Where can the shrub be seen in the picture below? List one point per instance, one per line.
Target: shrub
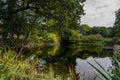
(71, 35)
(50, 37)
(92, 37)
(53, 37)
(75, 35)
(94, 40)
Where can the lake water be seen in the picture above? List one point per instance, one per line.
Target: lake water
(75, 58)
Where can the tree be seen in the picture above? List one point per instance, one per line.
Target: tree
(85, 28)
(93, 30)
(104, 31)
(20, 17)
(116, 27)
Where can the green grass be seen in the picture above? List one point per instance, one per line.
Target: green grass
(12, 68)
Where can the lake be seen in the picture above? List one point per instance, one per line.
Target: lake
(64, 58)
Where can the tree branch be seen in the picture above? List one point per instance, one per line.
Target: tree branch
(25, 8)
(19, 10)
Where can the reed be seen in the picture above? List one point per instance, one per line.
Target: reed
(105, 75)
(12, 68)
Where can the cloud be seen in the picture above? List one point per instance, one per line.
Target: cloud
(100, 12)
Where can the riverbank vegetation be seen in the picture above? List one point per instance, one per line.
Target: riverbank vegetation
(38, 22)
(93, 40)
(28, 25)
(31, 24)
(115, 71)
(13, 67)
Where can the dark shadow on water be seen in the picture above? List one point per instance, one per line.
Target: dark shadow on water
(73, 56)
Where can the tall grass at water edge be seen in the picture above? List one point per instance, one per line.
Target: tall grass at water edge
(12, 68)
(105, 75)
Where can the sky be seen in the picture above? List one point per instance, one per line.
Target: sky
(100, 12)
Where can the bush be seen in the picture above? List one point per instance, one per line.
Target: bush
(75, 36)
(53, 38)
(50, 37)
(71, 35)
(94, 40)
(91, 38)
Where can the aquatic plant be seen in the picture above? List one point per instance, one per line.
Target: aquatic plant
(105, 75)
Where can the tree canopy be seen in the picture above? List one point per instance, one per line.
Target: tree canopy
(116, 27)
(25, 17)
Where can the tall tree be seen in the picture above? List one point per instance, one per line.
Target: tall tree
(19, 17)
(116, 27)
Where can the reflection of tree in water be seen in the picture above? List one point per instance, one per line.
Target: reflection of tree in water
(92, 49)
(94, 52)
(64, 59)
(61, 57)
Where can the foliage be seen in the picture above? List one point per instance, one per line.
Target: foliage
(23, 17)
(12, 68)
(49, 37)
(104, 31)
(108, 39)
(104, 74)
(116, 27)
(53, 38)
(72, 35)
(115, 71)
(93, 40)
(85, 28)
(75, 36)
(116, 40)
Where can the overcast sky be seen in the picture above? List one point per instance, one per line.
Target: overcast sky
(100, 12)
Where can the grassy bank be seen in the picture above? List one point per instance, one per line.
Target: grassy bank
(12, 68)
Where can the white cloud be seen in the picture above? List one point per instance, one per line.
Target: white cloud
(100, 12)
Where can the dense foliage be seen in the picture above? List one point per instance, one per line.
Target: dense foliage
(13, 68)
(27, 19)
(85, 28)
(104, 31)
(93, 40)
(116, 27)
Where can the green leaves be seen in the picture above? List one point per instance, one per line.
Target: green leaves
(116, 27)
(24, 17)
(99, 71)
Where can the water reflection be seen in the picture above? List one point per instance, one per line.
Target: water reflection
(87, 72)
(76, 57)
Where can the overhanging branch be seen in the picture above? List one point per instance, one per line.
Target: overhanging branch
(19, 10)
